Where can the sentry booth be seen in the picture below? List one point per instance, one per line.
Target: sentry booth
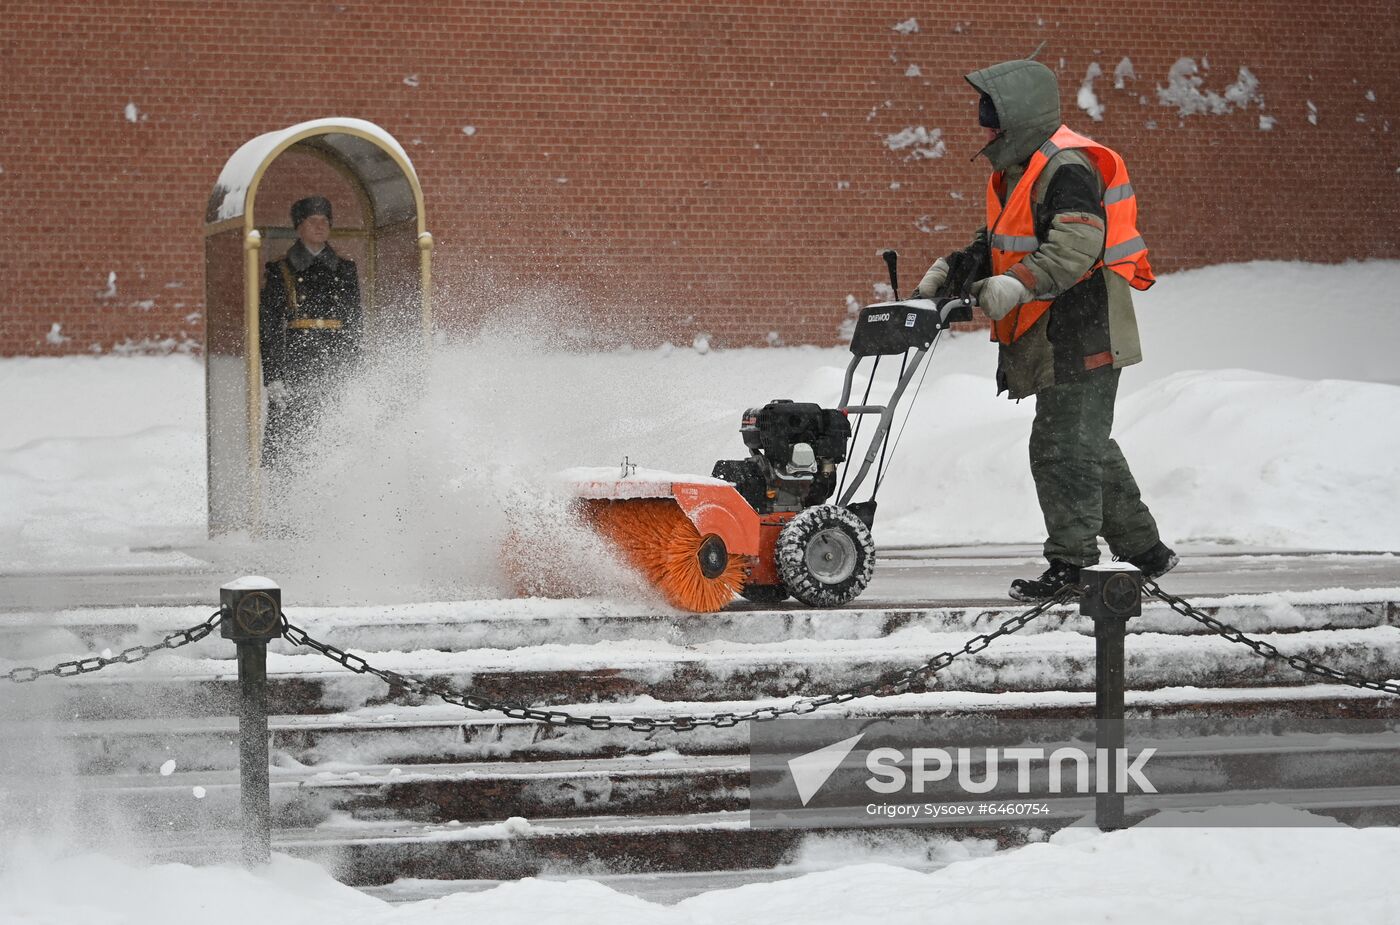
(379, 223)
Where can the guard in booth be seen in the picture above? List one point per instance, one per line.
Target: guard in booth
(310, 326)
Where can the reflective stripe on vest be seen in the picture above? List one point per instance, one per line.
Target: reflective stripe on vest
(1008, 242)
(1011, 227)
(1117, 194)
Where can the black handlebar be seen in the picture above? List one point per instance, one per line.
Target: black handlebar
(891, 261)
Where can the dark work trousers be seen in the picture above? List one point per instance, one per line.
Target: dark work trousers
(1081, 478)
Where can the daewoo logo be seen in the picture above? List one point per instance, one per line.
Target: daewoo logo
(883, 316)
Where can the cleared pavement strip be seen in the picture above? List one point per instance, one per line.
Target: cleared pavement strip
(511, 625)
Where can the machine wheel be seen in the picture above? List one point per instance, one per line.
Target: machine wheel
(826, 556)
(764, 594)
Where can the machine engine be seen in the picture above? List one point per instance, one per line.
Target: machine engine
(795, 449)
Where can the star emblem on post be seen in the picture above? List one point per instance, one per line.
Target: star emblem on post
(257, 614)
(1121, 593)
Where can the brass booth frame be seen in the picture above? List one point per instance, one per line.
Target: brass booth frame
(377, 169)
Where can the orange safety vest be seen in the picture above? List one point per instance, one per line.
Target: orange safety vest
(1011, 228)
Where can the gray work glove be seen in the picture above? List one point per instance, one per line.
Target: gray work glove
(277, 395)
(998, 295)
(933, 280)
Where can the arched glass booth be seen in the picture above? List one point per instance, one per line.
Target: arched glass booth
(379, 223)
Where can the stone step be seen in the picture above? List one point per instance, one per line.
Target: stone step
(668, 888)
(174, 685)
(443, 733)
(433, 793)
(381, 786)
(523, 624)
(667, 783)
(377, 853)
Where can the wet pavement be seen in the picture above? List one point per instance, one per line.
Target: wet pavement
(903, 576)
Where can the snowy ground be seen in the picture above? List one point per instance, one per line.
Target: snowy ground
(1264, 416)
(1317, 871)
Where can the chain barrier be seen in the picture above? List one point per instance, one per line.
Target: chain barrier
(126, 657)
(894, 682)
(1264, 649)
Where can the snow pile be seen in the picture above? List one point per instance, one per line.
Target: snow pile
(1305, 320)
(99, 455)
(921, 143)
(1279, 469)
(420, 475)
(1088, 100)
(1123, 73)
(1164, 871)
(1183, 90)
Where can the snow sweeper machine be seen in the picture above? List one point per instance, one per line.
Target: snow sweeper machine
(783, 521)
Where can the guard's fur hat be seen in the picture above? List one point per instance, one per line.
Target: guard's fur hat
(311, 205)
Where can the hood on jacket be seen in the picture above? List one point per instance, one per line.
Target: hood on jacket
(1027, 100)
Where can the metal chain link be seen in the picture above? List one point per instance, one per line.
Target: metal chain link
(126, 657)
(1264, 649)
(896, 682)
(890, 683)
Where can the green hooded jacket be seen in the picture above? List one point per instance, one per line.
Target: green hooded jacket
(1027, 99)
(1088, 316)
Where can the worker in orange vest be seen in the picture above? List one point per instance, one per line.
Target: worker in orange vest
(1054, 268)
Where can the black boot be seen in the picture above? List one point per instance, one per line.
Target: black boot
(1156, 561)
(1047, 585)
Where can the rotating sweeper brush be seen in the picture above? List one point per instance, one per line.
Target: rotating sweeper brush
(783, 521)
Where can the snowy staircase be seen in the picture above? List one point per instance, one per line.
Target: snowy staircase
(384, 786)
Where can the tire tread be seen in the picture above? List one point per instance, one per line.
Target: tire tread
(791, 549)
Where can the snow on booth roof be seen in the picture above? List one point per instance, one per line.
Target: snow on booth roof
(363, 146)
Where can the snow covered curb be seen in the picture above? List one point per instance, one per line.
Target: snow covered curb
(1305, 870)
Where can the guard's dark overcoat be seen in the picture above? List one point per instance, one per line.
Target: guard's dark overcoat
(310, 331)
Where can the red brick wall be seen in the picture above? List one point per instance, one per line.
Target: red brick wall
(702, 167)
